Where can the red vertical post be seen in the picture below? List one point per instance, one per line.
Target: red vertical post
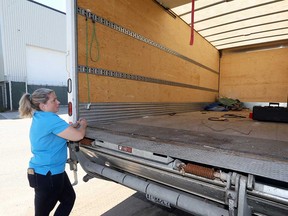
(192, 23)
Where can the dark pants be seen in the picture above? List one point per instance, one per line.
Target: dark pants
(49, 190)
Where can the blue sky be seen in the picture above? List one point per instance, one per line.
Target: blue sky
(57, 4)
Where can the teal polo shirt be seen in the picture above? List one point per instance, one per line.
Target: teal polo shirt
(49, 150)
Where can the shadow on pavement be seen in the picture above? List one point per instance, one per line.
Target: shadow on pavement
(140, 206)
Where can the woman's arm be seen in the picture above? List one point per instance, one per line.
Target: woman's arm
(75, 134)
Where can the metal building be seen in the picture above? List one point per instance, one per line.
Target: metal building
(32, 50)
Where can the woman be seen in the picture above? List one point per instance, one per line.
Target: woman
(48, 136)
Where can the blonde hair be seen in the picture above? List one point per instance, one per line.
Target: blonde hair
(30, 102)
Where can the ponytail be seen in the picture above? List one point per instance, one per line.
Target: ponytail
(25, 106)
(30, 102)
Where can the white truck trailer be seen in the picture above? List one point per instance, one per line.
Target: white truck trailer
(142, 89)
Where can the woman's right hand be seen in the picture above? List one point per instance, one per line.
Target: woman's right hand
(82, 122)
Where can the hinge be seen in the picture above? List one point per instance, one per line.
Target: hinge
(236, 194)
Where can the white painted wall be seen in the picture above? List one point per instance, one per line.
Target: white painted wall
(45, 66)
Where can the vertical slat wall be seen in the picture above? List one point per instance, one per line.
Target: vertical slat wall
(166, 70)
(258, 74)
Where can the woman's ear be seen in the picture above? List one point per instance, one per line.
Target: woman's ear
(42, 106)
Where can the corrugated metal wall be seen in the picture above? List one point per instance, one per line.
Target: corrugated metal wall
(25, 23)
(1, 49)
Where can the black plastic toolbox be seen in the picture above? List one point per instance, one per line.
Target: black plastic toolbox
(273, 113)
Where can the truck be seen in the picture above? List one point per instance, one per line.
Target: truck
(143, 88)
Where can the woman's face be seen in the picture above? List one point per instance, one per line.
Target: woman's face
(52, 105)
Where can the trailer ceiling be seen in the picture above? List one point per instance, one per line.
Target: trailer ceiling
(233, 23)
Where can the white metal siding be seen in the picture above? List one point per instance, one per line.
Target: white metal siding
(1, 49)
(1, 59)
(27, 23)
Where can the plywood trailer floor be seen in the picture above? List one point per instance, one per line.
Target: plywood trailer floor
(238, 143)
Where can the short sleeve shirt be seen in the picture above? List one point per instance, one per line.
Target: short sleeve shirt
(49, 150)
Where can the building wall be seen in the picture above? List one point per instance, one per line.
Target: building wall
(2, 84)
(1, 58)
(27, 24)
(51, 69)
